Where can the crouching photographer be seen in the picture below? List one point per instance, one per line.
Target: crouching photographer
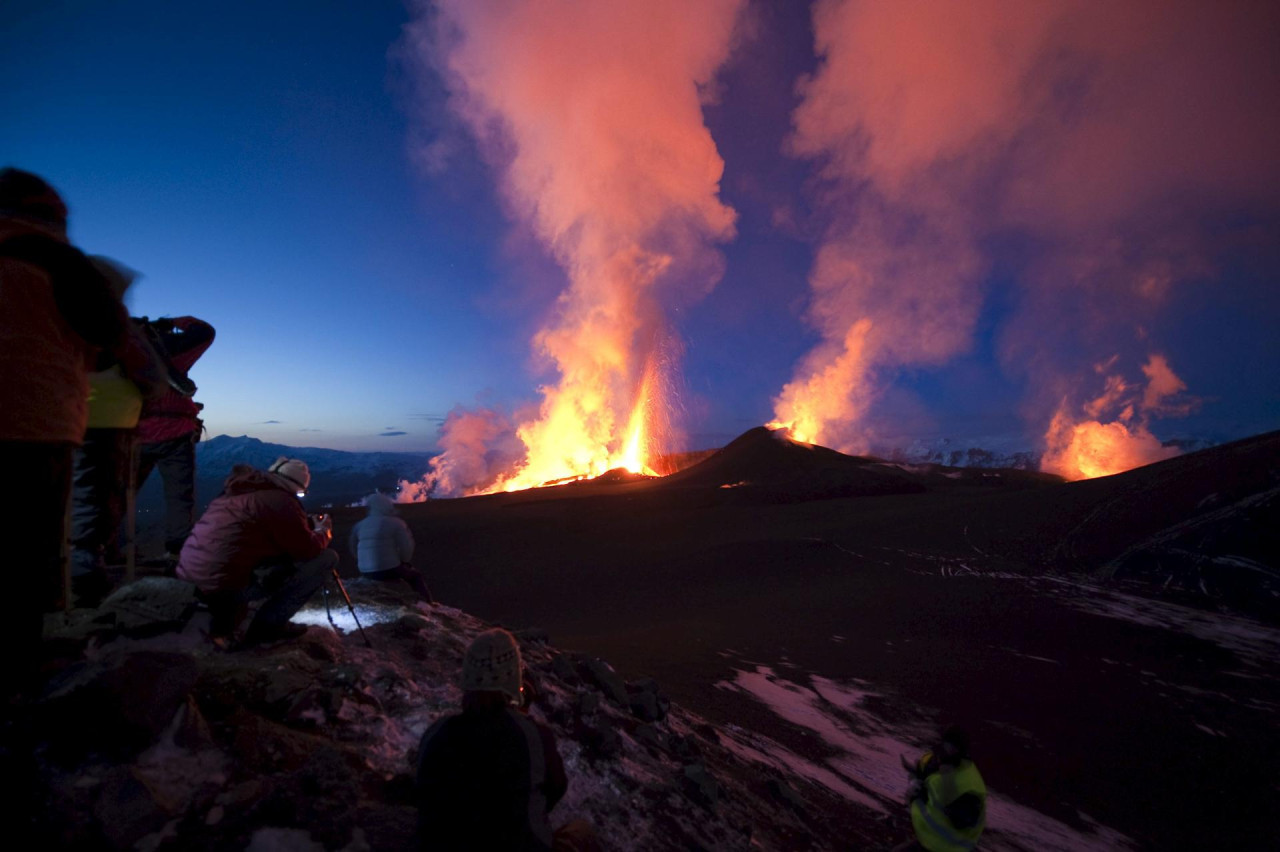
(255, 541)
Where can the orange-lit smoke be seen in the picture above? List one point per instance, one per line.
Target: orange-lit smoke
(1084, 447)
(592, 112)
(1101, 136)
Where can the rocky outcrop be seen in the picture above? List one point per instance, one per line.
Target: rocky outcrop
(154, 739)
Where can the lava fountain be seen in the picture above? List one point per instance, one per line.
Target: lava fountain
(591, 115)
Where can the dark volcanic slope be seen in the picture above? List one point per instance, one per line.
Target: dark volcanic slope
(949, 603)
(766, 463)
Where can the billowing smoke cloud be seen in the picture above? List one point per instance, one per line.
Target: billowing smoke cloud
(474, 444)
(592, 113)
(1099, 144)
(1086, 448)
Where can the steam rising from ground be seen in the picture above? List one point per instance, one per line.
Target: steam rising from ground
(1106, 139)
(1087, 448)
(592, 114)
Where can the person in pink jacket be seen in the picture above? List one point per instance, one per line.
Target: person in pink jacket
(256, 541)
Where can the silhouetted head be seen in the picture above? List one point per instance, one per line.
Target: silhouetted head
(118, 276)
(380, 504)
(954, 746)
(492, 665)
(26, 196)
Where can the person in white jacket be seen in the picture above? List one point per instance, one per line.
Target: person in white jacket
(383, 546)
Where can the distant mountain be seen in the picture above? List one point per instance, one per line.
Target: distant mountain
(337, 477)
(994, 453)
(952, 453)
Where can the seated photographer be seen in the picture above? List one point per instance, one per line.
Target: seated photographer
(255, 540)
(383, 546)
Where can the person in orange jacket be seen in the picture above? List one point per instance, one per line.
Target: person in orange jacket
(56, 311)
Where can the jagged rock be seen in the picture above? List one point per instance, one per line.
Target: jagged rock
(606, 680)
(387, 826)
(784, 792)
(124, 809)
(685, 749)
(75, 628)
(700, 784)
(282, 690)
(707, 732)
(533, 635)
(151, 605)
(563, 668)
(601, 739)
(646, 702)
(588, 703)
(264, 746)
(123, 701)
(650, 736)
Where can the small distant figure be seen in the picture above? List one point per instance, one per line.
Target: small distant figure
(256, 541)
(170, 426)
(489, 776)
(947, 797)
(383, 546)
(56, 310)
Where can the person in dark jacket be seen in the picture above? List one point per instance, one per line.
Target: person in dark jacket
(489, 776)
(255, 540)
(56, 311)
(170, 426)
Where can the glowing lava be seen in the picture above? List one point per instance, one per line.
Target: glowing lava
(1088, 448)
(562, 449)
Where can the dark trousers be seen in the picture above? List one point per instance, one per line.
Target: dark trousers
(403, 571)
(176, 461)
(99, 480)
(286, 587)
(33, 506)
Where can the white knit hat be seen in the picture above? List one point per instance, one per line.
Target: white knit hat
(492, 664)
(293, 470)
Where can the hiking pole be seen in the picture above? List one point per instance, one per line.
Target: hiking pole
(337, 579)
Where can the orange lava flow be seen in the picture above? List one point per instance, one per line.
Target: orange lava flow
(578, 438)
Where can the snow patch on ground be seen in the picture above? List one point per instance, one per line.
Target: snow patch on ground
(865, 764)
(1257, 644)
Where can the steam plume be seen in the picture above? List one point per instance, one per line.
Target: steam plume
(592, 114)
(1104, 139)
(1083, 449)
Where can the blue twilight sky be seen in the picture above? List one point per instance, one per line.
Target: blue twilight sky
(256, 162)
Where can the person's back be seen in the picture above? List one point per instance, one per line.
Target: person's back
(483, 782)
(948, 803)
(381, 541)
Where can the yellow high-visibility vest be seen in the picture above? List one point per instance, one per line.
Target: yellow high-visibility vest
(114, 401)
(933, 829)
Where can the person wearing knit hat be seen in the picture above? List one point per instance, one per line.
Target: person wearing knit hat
(489, 776)
(256, 540)
(56, 310)
(293, 471)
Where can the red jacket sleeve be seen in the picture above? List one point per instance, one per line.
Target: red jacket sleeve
(186, 348)
(291, 529)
